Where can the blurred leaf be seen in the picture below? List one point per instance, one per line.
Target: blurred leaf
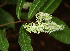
(50, 6)
(62, 35)
(26, 5)
(24, 40)
(3, 41)
(19, 8)
(35, 7)
(24, 15)
(5, 17)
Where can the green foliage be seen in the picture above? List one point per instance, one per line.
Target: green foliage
(19, 8)
(63, 35)
(24, 40)
(50, 6)
(3, 41)
(47, 6)
(24, 15)
(35, 7)
(5, 17)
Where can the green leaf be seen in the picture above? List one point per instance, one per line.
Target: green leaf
(50, 5)
(35, 7)
(24, 40)
(46, 5)
(19, 8)
(62, 35)
(24, 15)
(3, 41)
(5, 17)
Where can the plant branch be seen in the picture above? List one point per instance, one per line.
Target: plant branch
(11, 23)
(4, 3)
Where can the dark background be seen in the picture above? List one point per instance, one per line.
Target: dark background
(42, 41)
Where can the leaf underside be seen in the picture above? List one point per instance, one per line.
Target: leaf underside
(62, 35)
(35, 7)
(24, 40)
(3, 41)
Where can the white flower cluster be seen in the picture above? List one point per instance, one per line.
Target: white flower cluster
(43, 24)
